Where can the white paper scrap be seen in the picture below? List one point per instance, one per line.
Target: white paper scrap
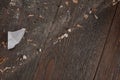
(14, 37)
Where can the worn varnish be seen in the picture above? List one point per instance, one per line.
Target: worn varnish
(65, 40)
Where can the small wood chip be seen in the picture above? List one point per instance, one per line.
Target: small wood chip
(69, 30)
(24, 57)
(3, 70)
(75, 1)
(40, 50)
(86, 16)
(30, 15)
(63, 36)
(96, 17)
(61, 6)
(67, 3)
(29, 40)
(4, 44)
(90, 12)
(114, 2)
(79, 26)
(2, 60)
(12, 3)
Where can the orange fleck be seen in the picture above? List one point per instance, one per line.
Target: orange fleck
(2, 60)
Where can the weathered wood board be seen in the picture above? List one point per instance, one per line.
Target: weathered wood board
(65, 40)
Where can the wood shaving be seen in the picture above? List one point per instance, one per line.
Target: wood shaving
(40, 50)
(61, 6)
(24, 57)
(96, 17)
(2, 60)
(93, 10)
(12, 3)
(30, 15)
(75, 1)
(3, 70)
(114, 2)
(63, 36)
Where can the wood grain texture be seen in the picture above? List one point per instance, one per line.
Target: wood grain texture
(75, 57)
(109, 68)
(44, 12)
(51, 54)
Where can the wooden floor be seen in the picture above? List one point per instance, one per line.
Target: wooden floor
(64, 40)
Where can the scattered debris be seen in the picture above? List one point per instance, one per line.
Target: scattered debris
(15, 37)
(86, 16)
(75, 1)
(40, 16)
(69, 30)
(4, 44)
(114, 2)
(17, 14)
(63, 36)
(30, 15)
(93, 10)
(96, 17)
(40, 50)
(24, 57)
(2, 60)
(90, 12)
(3, 70)
(12, 3)
(79, 26)
(61, 6)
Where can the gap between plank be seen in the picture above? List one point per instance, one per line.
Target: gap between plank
(105, 42)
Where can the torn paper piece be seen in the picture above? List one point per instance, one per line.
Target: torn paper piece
(15, 37)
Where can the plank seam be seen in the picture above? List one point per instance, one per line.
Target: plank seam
(105, 42)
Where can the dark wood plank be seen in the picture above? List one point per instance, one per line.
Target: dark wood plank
(75, 57)
(43, 12)
(72, 58)
(109, 68)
